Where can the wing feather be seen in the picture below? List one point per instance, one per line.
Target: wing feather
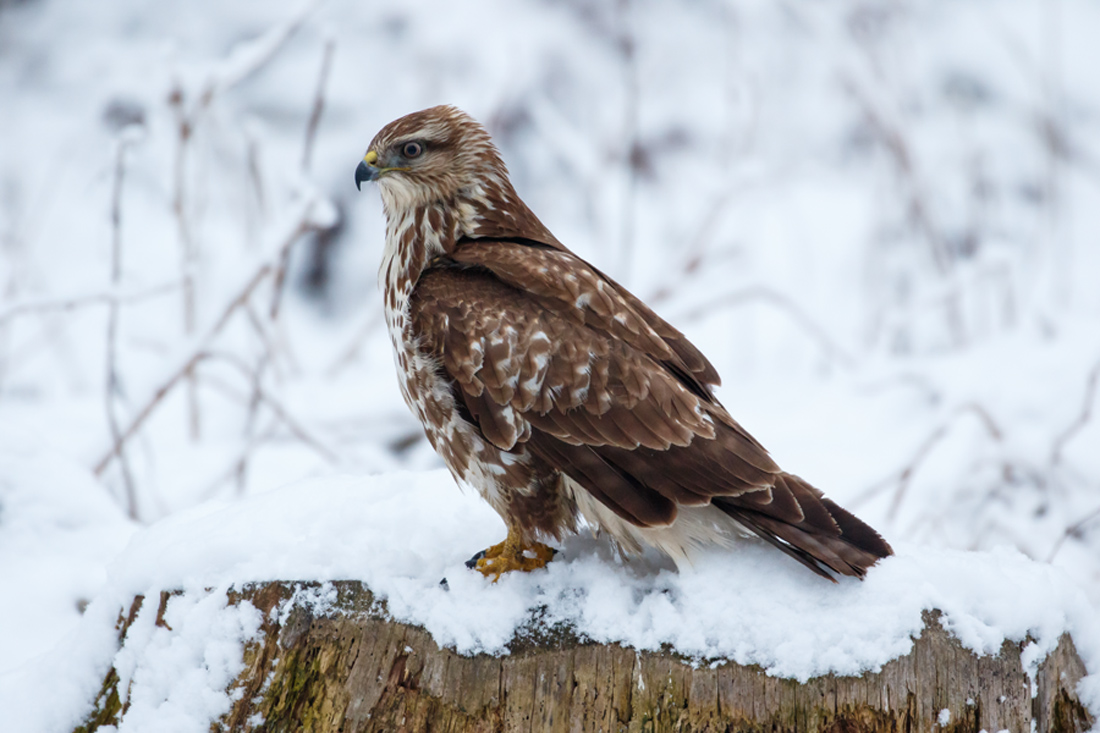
(581, 292)
(549, 356)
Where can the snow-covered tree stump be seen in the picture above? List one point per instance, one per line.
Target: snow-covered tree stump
(348, 667)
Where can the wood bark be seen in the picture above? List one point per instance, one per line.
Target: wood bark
(353, 669)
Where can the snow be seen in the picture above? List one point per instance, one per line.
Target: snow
(879, 221)
(402, 533)
(177, 674)
(58, 530)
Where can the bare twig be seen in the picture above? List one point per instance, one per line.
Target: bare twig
(307, 156)
(258, 392)
(277, 288)
(254, 213)
(259, 327)
(919, 382)
(784, 304)
(318, 105)
(143, 414)
(355, 344)
(256, 377)
(1082, 419)
(628, 51)
(243, 61)
(251, 56)
(906, 474)
(902, 478)
(115, 296)
(238, 468)
(185, 128)
(112, 327)
(919, 212)
(186, 369)
(1073, 530)
(696, 251)
(895, 143)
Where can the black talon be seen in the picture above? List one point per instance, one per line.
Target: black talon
(472, 562)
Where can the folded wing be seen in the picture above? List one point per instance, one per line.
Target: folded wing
(547, 355)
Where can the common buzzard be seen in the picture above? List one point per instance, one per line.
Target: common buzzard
(556, 393)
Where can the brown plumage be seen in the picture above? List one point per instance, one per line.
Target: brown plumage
(562, 398)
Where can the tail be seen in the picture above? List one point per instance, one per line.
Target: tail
(798, 519)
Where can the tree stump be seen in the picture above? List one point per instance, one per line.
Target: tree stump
(351, 668)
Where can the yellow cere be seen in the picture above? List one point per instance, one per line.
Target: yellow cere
(370, 158)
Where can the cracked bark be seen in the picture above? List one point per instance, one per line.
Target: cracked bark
(352, 669)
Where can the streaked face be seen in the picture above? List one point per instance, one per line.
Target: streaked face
(428, 156)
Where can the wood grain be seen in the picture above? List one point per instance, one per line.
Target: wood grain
(354, 670)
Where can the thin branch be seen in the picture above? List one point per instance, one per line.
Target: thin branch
(932, 394)
(143, 414)
(628, 52)
(249, 57)
(238, 468)
(1073, 530)
(696, 251)
(307, 156)
(185, 128)
(189, 256)
(242, 62)
(906, 474)
(113, 296)
(895, 143)
(1081, 420)
(296, 428)
(113, 388)
(277, 289)
(785, 305)
(270, 351)
(355, 344)
(318, 105)
(902, 478)
(200, 352)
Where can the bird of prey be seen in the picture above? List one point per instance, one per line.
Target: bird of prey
(553, 391)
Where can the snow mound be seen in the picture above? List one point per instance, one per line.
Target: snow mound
(402, 533)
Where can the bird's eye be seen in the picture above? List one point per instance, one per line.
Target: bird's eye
(412, 150)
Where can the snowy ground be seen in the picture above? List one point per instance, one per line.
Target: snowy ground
(881, 220)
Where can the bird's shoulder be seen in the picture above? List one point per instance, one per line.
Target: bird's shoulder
(549, 276)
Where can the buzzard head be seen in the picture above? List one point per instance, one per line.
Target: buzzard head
(436, 155)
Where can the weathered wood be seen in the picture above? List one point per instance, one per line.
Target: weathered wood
(353, 669)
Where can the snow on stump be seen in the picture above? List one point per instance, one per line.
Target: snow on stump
(345, 665)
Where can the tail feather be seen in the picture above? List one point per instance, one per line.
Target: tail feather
(823, 536)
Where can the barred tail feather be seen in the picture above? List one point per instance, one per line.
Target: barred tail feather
(821, 535)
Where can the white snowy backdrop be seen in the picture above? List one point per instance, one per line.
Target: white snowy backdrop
(880, 219)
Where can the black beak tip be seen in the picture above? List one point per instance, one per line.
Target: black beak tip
(362, 173)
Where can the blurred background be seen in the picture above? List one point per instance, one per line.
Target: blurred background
(879, 218)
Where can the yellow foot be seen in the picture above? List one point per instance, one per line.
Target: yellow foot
(508, 556)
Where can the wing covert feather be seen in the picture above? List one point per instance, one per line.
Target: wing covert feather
(614, 413)
(526, 370)
(534, 364)
(579, 291)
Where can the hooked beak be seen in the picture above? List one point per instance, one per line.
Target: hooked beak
(367, 170)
